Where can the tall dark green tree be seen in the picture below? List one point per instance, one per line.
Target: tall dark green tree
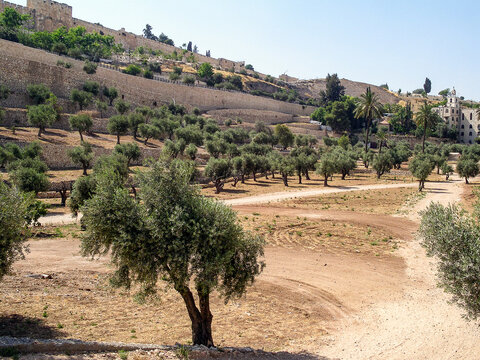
(334, 90)
(427, 86)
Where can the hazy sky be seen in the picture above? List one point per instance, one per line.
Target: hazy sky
(375, 41)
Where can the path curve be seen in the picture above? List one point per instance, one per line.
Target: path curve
(62, 219)
(419, 324)
(286, 195)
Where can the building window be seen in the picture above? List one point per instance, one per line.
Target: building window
(463, 126)
(478, 127)
(446, 110)
(450, 99)
(463, 116)
(471, 114)
(462, 133)
(470, 127)
(470, 133)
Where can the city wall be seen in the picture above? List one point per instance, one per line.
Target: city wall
(47, 15)
(21, 66)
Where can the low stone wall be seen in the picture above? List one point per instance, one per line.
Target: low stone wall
(18, 118)
(249, 115)
(56, 156)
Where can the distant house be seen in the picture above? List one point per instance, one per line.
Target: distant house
(464, 120)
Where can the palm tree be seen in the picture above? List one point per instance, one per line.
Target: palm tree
(426, 118)
(369, 108)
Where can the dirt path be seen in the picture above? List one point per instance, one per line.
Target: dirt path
(61, 219)
(285, 195)
(418, 324)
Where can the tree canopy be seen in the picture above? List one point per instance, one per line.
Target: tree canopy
(175, 235)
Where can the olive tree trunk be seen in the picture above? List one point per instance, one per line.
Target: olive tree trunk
(201, 319)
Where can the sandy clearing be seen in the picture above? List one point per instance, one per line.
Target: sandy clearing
(418, 324)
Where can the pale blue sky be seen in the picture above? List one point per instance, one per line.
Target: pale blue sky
(375, 41)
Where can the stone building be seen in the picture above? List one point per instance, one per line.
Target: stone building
(464, 120)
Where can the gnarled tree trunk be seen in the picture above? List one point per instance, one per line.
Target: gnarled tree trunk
(201, 319)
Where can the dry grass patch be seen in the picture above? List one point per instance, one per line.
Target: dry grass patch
(320, 234)
(383, 201)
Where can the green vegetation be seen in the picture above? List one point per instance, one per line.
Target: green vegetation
(167, 199)
(14, 227)
(81, 123)
(82, 155)
(451, 235)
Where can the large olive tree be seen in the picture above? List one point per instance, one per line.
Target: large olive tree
(452, 236)
(13, 225)
(172, 233)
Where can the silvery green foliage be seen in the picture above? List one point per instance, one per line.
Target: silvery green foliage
(453, 237)
(172, 233)
(13, 227)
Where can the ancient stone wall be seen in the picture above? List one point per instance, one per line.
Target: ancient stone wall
(48, 15)
(20, 66)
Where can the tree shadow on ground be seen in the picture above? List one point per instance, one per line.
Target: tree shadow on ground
(260, 354)
(16, 325)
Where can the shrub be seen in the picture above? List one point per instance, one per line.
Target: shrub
(189, 80)
(173, 76)
(92, 87)
(205, 71)
(90, 67)
(148, 74)
(132, 69)
(38, 93)
(155, 67)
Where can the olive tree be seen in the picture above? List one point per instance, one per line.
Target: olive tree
(284, 135)
(452, 236)
(14, 227)
(327, 167)
(148, 131)
(218, 171)
(467, 167)
(82, 155)
(118, 125)
(41, 116)
(421, 167)
(447, 170)
(174, 235)
(382, 163)
(82, 98)
(131, 151)
(81, 123)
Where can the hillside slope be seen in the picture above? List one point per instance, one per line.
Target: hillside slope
(353, 88)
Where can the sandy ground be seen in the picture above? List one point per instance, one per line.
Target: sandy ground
(418, 324)
(338, 305)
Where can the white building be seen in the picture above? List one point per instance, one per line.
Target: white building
(464, 120)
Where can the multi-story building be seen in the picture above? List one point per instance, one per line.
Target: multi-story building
(466, 121)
